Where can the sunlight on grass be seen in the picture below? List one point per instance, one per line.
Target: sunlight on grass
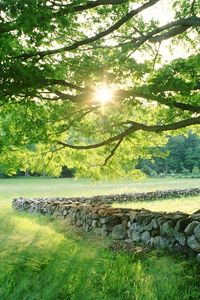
(188, 205)
(49, 187)
(46, 259)
(35, 249)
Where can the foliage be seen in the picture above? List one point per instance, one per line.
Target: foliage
(195, 171)
(181, 154)
(54, 54)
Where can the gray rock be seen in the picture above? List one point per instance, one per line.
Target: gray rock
(132, 216)
(94, 223)
(149, 226)
(147, 221)
(161, 220)
(167, 228)
(154, 224)
(64, 212)
(98, 224)
(103, 220)
(57, 214)
(145, 237)
(112, 220)
(180, 237)
(139, 228)
(98, 231)
(161, 242)
(119, 232)
(129, 224)
(143, 218)
(155, 232)
(151, 241)
(129, 232)
(94, 216)
(135, 236)
(190, 228)
(177, 247)
(198, 257)
(124, 223)
(197, 232)
(133, 225)
(79, 223)
(107, 227)
(195, 216)
(193, 243)
(178, 215)
(89, 221)
(182, 224)
(86, 227)
(104, 233)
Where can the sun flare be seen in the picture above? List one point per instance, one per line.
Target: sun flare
(103, 94)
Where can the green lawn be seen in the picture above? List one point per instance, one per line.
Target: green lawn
(188, 205)
(42, 259)
(34, 186)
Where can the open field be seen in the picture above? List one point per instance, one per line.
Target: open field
(34, 186)
(48, 260)
(37, 187)
(188, 205)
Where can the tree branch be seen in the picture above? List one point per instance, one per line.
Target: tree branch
(70, 8)
(113, 151)
(96, 37)
(133, 128)
(62, 83)
(153, 36)
(64, 10)
(168, 101)
(193, 7)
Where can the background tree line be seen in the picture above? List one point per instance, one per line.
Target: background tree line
(181, 154)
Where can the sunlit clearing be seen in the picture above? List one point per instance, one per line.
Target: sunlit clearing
(103, 94)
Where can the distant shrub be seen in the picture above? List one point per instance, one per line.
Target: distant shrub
(195, 172)
(185, 171)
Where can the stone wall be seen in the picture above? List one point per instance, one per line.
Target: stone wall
(173, 231)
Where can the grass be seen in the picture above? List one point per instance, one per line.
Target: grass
(45, 259)
(188, 205)
(34, 186)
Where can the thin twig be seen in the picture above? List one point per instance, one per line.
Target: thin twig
(113, 151)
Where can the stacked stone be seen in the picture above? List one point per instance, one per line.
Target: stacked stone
(173, 231)
(176, 231)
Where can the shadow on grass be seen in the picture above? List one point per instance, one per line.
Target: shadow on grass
(45, 259)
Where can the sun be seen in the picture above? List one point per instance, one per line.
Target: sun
(103, 94)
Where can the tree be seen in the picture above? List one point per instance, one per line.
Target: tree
(179, 155)
(54, 55)
(195, 171)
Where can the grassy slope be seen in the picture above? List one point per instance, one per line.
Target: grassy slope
(46, 260)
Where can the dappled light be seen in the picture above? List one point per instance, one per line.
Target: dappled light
(73, 266)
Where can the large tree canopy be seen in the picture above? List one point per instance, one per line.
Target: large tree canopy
(56, 54)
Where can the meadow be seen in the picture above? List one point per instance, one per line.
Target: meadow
(46, 259)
